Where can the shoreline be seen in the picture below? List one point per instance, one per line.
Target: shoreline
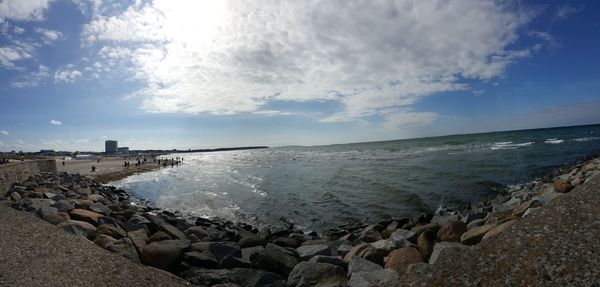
(212, 251)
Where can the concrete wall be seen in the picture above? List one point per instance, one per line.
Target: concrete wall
(20, 171)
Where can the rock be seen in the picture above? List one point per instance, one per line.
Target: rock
(207, 277)
(498, 229)
(370, 234)
(82, 203)
(159, 236)
(286, 242)
(335, 260)
(231, 261)
(418, 268)
(203, 259)
(422, 228)
(172, 231)
(111, 230)
(38, 203)
(399, 259)
(562, 186)
(256, 278)
(529, 211)
(85, 215)
(343, 249)
(359, 264)
(56, 218)
(251, 241)
(475, 223)
(139, 238)
(276, 259)
(452, 231)
(384, 246)
(425, 243)
(63, 206)
(46, 211)
(308, 251)
(100, 208)
(365, 250)
(403, 237)
(473, 216)
(95, 197)
(444, 249)
(123, 247)
(248, 253)
(138, 219)
(473, 236)
(442, 220)
(373, 279)
(520, 210)
(165, 255)
(79, 228)
(499, 217)
(222, 249)
(198, 231)
(102, 240)
(308, 274)
(15, 196)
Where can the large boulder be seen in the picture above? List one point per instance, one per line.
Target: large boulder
(123, 247)
(256, 278)
(166, 254)
(251, 241)
(374, 278)
(139, 238)
(85, 215)
(224, 249)
(198, 231)
(425, 243)
(276, 259)
(520, 210)
(203, 259)
(498, 229)
(444, 249)
(79, 228)
(434, 227)
(474, 235)
(399, 259)
(452, 231)
(562, 186)
(56, 218)
(367, 251)
(111, 230)
(308, 251)
(359, 264)
(403, 237)
(308, 274)
(335, 260)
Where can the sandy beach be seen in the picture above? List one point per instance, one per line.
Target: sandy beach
(107, 169)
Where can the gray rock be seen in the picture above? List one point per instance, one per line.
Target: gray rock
(79, 228)
(111, 230)
(308, 274)
(276, 259)
(231, 261)
(308, 251)
(373, 279)
(203, 259)
(63, 205)
(139, 238)
(343, 249)
(443, 249)
(251, 241)
(37, 203)
(197, 231)
(47, 211)
(256, 278)
(473, 216)
(15, 196)
(123, 247)
(359, 264)
(418, 268)
(402, 237)
(247, 253)
(166, 254)
(100, 208)
(443, 219)
(335, 260)
(529, 211)
(475, 223)
(384, 246)
(222, 249)
(206, 277)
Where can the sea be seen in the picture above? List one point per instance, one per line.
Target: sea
(318, 187)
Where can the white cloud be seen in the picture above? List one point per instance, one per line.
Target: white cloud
(226, 57)
(4, 133)
(66, 75)
(18, 30)
(55, 122)
(11, 54)
(23, 10)
(403, 118)
(566, 11)
(32, 79)
(49, 36)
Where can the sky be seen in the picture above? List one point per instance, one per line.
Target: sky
(180, 74)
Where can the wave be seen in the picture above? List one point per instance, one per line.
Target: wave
(554, 141)
(585, 139)
(509, 145)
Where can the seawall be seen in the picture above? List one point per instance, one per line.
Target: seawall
(20, 171)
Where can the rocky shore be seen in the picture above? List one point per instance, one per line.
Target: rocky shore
(213, 252)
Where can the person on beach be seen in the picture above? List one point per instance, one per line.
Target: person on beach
(63, 163)
(93, 168)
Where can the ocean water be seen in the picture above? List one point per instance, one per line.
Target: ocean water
(321, 186)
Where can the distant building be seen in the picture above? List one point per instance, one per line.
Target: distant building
(110, 147)
(47, 152)
(123, 150)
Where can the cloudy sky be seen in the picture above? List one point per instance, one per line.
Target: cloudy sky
(201, 74)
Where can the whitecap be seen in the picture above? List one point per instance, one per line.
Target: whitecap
(554, 141)
(585, 139)
(509, 145)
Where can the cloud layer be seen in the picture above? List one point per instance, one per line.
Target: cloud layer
(372, 57)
